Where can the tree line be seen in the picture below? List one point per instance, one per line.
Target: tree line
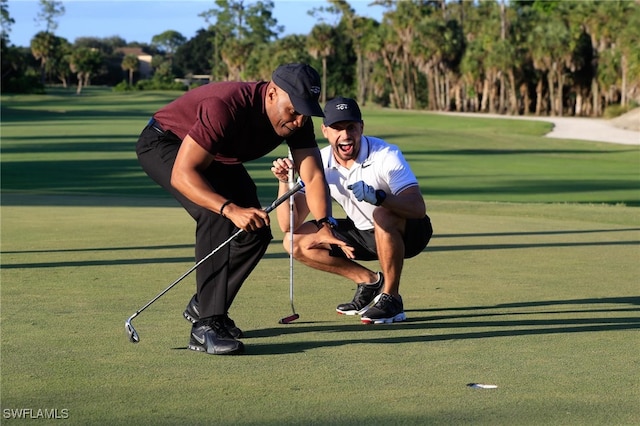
(542, 57)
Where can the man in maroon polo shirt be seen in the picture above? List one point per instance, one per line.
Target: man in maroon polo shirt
(194, 147)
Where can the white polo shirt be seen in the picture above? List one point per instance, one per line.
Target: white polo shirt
(379, 164)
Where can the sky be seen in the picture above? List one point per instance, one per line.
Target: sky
(140, 20)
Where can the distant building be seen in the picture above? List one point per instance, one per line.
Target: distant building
(145, 69)
(194, 79)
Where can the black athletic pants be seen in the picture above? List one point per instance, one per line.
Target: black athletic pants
(218, 279)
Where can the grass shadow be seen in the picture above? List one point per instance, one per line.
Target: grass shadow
(484, 329)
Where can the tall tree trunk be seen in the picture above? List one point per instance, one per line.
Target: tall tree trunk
(526, 101)
(324, 79)
(502, 94)
(447, 97)
(80, 81)
(395, 96)
(623, 86)
(484, 102)
(551, 88)
(457, 93)
(431, 87)
(438, 87)
(409, 101)
(361, 78)
(595, 102)
(492, 92)
(513, 94)
(43, 70)
(539, 96)
(577, 111)
(560, 97)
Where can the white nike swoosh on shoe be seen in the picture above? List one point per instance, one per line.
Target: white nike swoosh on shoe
(201, 341)
(364, 310)
(373, 302)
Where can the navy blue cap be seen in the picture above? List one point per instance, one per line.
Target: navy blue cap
(341, 109)
(302, 84)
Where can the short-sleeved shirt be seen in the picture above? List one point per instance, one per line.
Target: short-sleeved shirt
(229, 120)
(379, 164)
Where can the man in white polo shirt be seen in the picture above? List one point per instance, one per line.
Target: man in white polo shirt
(386, 215)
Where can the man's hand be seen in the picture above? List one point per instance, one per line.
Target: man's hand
(365, 192)
(281, 167)
(324, 238)
(247, 219)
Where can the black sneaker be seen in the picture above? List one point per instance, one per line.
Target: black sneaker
(192, 311)
(212, 337)
(192, 314)
(365, 295)
(386, 310)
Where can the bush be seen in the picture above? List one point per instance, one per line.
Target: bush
(27, 84)
(157, 84)
(123, 86)
(613, 111)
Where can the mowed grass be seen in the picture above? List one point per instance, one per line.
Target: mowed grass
(534, 290)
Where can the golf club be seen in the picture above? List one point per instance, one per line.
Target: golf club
(134, 337)
(294, 316)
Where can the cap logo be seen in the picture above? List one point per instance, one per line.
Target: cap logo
(315, 90)
(342, 107)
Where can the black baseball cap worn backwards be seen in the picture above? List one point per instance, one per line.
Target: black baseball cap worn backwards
(341, 109)
(302, 84)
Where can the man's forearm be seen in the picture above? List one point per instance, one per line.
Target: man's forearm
(317, 190)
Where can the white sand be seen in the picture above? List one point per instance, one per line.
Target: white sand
(622, 130)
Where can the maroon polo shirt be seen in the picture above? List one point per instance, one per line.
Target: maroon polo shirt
(230, 121)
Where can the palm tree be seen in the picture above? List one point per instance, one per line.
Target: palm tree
(130, 63)
(42, 49)
(85, 62)
(404, 22)
(235, 53)
(319, 45)
(627, 42)
(551, 52)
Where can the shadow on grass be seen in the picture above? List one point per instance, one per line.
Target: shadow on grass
(101, 182)
(281, 255)
(555, 232)
(470, 329)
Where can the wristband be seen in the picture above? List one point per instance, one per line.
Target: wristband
(380, 197)
(225, 204)
(328, 220)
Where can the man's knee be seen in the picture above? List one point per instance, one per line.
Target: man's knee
(387, 220)
(286, 242)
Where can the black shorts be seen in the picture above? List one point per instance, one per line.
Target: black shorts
(417, 234)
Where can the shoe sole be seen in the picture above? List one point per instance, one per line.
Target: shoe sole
(189, 317)
(202, 349)
(361, 311)
(397, 318)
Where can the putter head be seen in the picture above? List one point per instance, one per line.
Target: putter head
(133, 334)
(289, 319)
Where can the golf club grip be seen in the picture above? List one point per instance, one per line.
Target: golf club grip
(298, 186)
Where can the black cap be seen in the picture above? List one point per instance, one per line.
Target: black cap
(341, 109)
(302, 84)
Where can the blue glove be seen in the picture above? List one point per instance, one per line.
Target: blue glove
(365, 192)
